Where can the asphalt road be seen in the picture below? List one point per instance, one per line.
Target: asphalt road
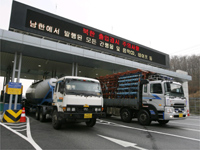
(108, 133)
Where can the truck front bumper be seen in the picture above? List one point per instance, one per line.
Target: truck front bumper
(174, 116)
(172, 113)
(68, 116)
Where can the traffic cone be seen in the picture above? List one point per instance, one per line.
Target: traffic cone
(23, 116)
(188, 113)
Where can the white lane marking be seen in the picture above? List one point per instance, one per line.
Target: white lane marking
(184, 123)
(14, 127)
(15, 124)
(28, 132)
(152, 131)
(191, 129)
(122, 143)
(21, 130)
(28, 138)
(193, 117)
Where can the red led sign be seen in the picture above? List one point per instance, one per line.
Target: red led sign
(112, 42)
(26, 18)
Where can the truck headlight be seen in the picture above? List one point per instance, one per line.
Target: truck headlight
(73, 109)
(68, 109)
(97, 109)
(169, 110)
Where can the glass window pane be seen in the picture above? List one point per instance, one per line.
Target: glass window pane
(156, 88)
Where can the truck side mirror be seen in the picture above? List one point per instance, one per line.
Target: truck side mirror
(144, 82)
(62, 87)
(106, 87)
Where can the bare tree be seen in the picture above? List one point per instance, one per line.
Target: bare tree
(190, 64)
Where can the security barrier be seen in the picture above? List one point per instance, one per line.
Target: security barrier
(12, 116)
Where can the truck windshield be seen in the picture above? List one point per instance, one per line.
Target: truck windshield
(82, 87)
(173, 89)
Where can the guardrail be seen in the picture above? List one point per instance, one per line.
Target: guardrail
(194, 105)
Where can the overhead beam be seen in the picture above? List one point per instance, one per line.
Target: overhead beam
(66, 53)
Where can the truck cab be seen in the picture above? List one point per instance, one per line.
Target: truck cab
(165, 100)
(77, 99)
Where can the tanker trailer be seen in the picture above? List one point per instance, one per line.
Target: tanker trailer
(39, 93)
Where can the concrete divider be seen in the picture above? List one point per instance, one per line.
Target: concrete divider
(1, 110)
(12, 116)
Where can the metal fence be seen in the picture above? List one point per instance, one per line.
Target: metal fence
(195, 106)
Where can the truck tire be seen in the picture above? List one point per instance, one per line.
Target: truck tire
(37, 113)
(126, 115)
(144, 118)
(91, 122)
(42, 115)
(163, 122)
(55, 122)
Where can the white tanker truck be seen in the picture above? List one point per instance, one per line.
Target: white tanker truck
(68, 99)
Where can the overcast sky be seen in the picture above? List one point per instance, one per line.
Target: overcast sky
(169, 26)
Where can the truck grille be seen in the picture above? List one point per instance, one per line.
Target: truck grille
(82, 109)
(179, 105)
(179, 108)
(85, 109)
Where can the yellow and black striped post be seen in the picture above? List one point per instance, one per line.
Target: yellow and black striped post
(12, 116)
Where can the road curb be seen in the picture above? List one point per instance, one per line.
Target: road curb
(1, 116)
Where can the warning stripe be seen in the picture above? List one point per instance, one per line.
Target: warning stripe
(15, 113)
(7, 119)
(12, 116)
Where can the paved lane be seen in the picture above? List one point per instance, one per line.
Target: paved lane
(162, 137)
(111, 133)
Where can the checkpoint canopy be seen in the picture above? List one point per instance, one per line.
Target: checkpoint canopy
(58, 42)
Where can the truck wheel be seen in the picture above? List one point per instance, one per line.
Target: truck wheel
(55, 122)
(37, 113)
(163, 122)
(126, 115)
(91, 122)
(144, 118)
(42, 115)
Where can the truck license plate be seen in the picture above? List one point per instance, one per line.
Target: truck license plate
(180, 115)
(87, 115)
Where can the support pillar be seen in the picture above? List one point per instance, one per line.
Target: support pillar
(18, 78)
(13, 78)
(76, 73)
(8, 75)
(74, 69)
(185, 88)
(53, 74)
